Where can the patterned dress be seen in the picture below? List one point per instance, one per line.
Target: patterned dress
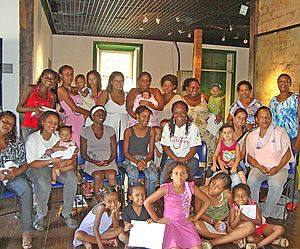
(179, 233)
(285, 115)
(200, 114)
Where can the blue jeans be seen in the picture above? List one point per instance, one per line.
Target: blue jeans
(150, 174)
(20, 186)
(193, 165)
(275, 182)
(41, 179)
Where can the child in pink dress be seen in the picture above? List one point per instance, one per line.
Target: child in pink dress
(180, 231)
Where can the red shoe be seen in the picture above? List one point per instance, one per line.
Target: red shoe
(291, 206)
(87, 190)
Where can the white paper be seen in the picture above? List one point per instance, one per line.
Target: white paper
(211, 228)
(249, 211)
(64, 154)
(146, 235)
(212, 127)
(80, 202)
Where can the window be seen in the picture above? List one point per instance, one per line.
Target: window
(126, 58)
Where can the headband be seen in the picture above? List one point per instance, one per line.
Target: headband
(99, 107)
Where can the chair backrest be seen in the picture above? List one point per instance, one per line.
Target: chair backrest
(80, 159)
(202, 152)
(293, 165)
(120, 154)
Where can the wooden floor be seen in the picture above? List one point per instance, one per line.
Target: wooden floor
(58, 236)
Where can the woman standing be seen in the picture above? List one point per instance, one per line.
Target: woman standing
(69, 100)
(144, 82)
(285, 110)
(98, 146)
(12, 150)
(199, 112)
(169, 84)
(246, 102)
(113, 98)
(94, 84)
(40, 171)
(34, 97)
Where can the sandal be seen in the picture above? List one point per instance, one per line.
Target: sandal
(206, 244)
(241, 243)
(113, 242)
(87, 189)
(251, 246)
(283, 242)
(26, 244)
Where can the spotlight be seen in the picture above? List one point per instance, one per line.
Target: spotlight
(141, 28)
(157, 20)
(181, 31)
(145, 19)
(237, 36)
(170, 33)
(230, 27)
(245, 41)
(223, 38)
(189, 35)
(243, 10)
(177, 19)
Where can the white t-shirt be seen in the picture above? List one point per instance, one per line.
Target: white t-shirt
(36, 146)
(181, 143)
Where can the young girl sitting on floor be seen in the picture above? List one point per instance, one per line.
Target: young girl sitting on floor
(101, 225)
(135, 209)
(180, 231)
(265, 233)
(227, 155)
(138, 149)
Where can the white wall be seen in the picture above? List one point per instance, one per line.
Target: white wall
(42, 51)
(159, 57)
(9, 31)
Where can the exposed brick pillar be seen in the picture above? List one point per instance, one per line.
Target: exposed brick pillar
(197, 59)
(26, 42)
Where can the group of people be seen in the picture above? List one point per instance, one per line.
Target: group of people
(160, 133)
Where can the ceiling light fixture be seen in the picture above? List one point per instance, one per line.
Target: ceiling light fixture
(245, 41)
(230, 27)
(170, 33)
(237, 36)
(177, 19)
(189, 35)
(145, 19)
(157, 20)
(141, 28)
(223, 38)
(243, 10)
(181, 31)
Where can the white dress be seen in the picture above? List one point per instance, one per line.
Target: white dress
(87, 224)
(117, 117)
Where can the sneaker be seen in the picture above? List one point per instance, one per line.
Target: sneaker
(291, 206)
(70, 222)
(39, 224)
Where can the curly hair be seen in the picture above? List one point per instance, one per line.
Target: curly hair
(12, 135)
(168, 170)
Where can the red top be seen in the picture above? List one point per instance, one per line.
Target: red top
(34, 101)
(227, 153)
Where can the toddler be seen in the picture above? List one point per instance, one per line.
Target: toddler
(227, 155)
(265, 233)
(86, 101)
(65, 134)
(135, 209)
(215, 101)
(101, 225)
(158, 150)
(180, 231)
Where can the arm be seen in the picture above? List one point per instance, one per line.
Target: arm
(237, 159)
(284, 160)
(63, 95)
(215, 158)
(258, 218)
(297, 143)
(21, 108)
(113, 148)
(205, 203)
(140, 164)
(115, 215)
(159, 98)
(170, 153)
(229, 118)
(152, 199)
(83, 151)
(53, 100)
(129, 102)
(103, 98)
(99, 212)
(234, 217)
(151, 146)
(205, 217)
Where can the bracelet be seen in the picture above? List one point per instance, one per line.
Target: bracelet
(212, 220)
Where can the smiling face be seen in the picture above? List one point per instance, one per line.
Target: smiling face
(215, 91)
(117, 82)
(7, 123)
(138, 195)
(111, 200)
(180, 114)
(264, 119)
(67, 76)
(227, 133)
(240, 197)
(284, 83)
(239, 120)
(49, 80)
(167, 87)
(50, 124)
(179, 174)
(216, 187)
(92, 80)
(193, 89)
(244, 91)
(144, 82)
(144, 117)
(99, 117)
(80, 82)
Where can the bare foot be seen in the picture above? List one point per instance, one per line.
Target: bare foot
(87, 245)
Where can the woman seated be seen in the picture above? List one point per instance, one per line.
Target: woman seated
(12, 168)
(40, 171)
(98, 146)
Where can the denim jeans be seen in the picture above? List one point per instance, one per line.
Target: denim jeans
(26, 131)
(150, 174)
(193, 165)
(41, 179)
(275, 182)
(20, 186)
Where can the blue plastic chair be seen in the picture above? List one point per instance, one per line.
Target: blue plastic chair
(202, 154)
(9, 194)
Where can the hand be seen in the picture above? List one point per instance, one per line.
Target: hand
(127, 227)
(231, 163)
(102, 163)
(191, 219)
(3, 175)
(220, 225)
(233, 170)
(237, 213)
(218, 118)
(57, 161)
(163, 220)
(223, 166)
(118, 205)
(141, 165)
(272, 171)
(144, 102)
(214, 167)
(9, 174)
(182, 159)
(15, 171)
(149, 221)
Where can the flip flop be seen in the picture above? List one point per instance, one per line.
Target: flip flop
(240, 243)
(251, 246)
(113, 242)
(26, 244)
(206, 244)
(283, 242)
